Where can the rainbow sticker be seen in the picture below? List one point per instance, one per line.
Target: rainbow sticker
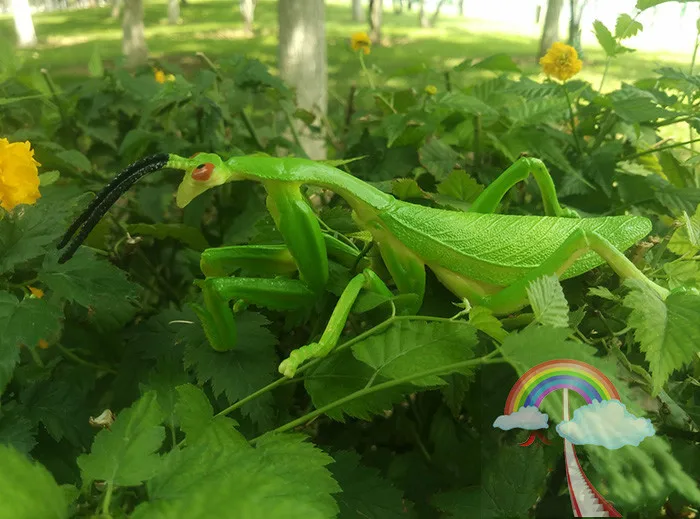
(553, 375)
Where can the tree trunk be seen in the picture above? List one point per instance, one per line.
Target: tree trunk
(116, 8)
(26, 36)
(460, 6)
(433, 19)
(423, 20)
(398, 6)
(410, 4)
(134, 42)
(173, 11)
(577, 7)
(358, 15)
(375, 21)
(304, 64)
(248, 14)
(550, 31)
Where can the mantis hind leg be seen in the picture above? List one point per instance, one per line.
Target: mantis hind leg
(581, 241)
(491, 197)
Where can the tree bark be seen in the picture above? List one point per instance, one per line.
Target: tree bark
(423, 20)
(433, 19)
(358, 14)
(397, 5)
(24, 26)
(375, 21)
(248, 14)
(550, 31)
(134, 41)
(576, 7)
(116, 8)
(173, 11)
(460, 6)
(304, 64)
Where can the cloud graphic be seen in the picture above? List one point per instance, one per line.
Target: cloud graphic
(524, 418)
(606, 423)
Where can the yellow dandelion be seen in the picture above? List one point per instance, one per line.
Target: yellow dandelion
(431, 90)
(36, 292)
(159, 76)
(561, 62)
(360, 41)
(19, 176)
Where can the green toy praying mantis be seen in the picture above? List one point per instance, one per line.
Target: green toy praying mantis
(487, 258)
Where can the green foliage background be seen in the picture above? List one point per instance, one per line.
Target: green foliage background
(396, 422)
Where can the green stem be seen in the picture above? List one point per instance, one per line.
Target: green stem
(68, 353)
(107, 499)
(279, 382)
(605, 73)
(442, 370)
(365, 71)
(660, 148)
(295, 133)
(251, 129)
(54, 94)
(572, 120)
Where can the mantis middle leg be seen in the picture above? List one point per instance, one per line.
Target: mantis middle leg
(488, 200)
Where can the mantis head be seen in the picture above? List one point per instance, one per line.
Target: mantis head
(202, 172)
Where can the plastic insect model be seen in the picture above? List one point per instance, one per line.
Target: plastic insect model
(487, 258)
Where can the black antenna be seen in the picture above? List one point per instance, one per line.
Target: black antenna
(105, 199)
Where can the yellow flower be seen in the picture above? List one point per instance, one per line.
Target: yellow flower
(19, 176)
(360, 41)
(36, 292)
(43, 344)
(161, 77)
(431, 90)
(561, 62)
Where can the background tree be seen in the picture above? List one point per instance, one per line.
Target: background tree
(423, 19)
(173, 11)
(550, 30)
(460, 7)
(134, 40)
(576, 8)
(358, 15)
(375, 21)
(248, 14)
(26, 36)
(116, 8)
(303, 63)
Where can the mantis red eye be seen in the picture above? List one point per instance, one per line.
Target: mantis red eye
(203, 171)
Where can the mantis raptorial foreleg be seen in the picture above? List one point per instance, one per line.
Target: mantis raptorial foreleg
(578, 243)
(488, 200)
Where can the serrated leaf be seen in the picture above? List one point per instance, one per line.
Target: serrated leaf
(668, 332)
(125, 454)
(461, 186)
(196, 416)
(190, 236)
(512, 480)
(406, 188)
(438, 158)
(409, 347)
(483, 319)
(602, 292)
(340, 375)
(239, 372)
(605, 38)
(626, 27)
(16, 430)
(686, 239)
(498, 62)
(60, 407)
(75, 160)
(28, 490)
(548, 302)
(365, 492)
(87, 280)
(283, 476)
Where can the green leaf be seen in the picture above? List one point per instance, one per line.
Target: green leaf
(668, 332)
(48, 178)
(60, 407)
(438, 158)
(498, 62)
(28, 490)
(511, 483)
(483, 319)
(461, 186)
(283, 476)
(125, 454)
(24, 323)
(626, 27)
(406, 188)
(365, 492)
(75, 160)
(605, 38)
(409, 347)
(190, 236)
(340, 375)
(239, 372)
(95, 67)
(88, 281)
(16, 430)
(686, 239)
(548, 302)
(603, 292)
(196, 416)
